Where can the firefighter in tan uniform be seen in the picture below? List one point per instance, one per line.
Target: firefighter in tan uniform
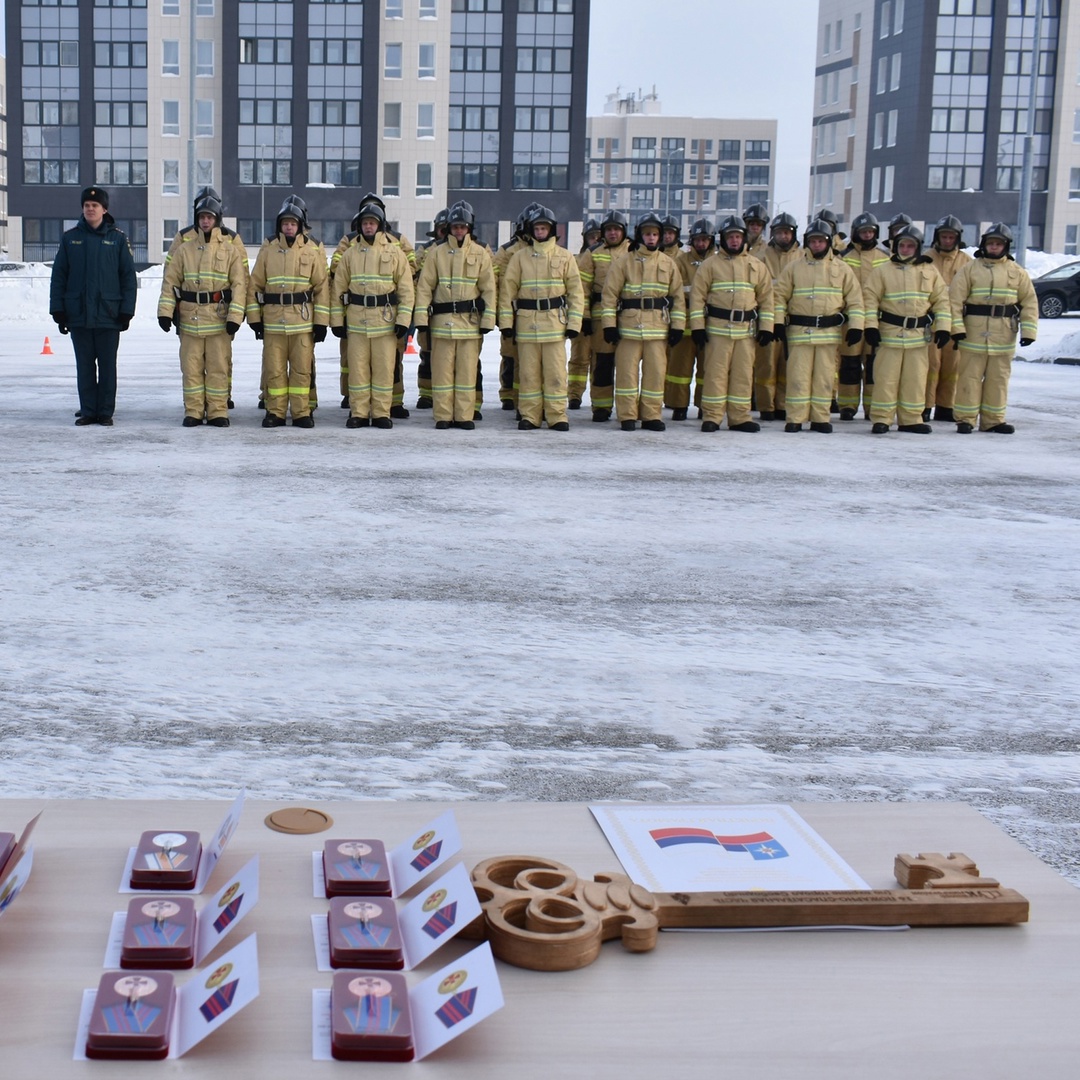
(643, 311)
(455, 303)
(730, 309)
(992, 299)
(594, 270)
(423, 334)
(770, 361)
(581, 347)
(288, 309)
(947, 255)
(508, 388)
(905, 303)
(682, 357)
(204, 290)
(541, 303)
(191, 232)
(863, 254)
(371, 306)
(671, 237)
(813, 299)
(756, 218)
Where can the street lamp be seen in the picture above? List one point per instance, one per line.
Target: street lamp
(262, 189)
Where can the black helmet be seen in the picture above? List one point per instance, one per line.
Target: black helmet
(371, 210)
(645, 220)
(209, 202)
(830, 219)
(950, 223)
(865, 220)
(906, 232)
(521, 226)
(460, 214)
(293, 207)
(756, 212)
(898, 222)
(673, 223)
(202, 193)
(370, 198)
(591, 225)
(998, 231)
(618, 218)
(784, 221)
(541, 213)
(702, 227)
(818, 227)
(466, 206)
(439, 221)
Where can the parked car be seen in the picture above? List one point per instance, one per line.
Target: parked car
(5, 267)
(1058, 291)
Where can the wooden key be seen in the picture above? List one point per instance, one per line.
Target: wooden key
(539, 914)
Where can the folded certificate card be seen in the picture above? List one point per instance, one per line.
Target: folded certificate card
(17, 874)
(10, 850)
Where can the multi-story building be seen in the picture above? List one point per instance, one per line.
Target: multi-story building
(4, 238)
(922, 108)
(639, 160)
(421, 101)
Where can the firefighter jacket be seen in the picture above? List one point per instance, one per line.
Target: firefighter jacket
(289, 289)
(732, 296)
(757, 248)
(544, 274)
(999, 284)
(93, 277)
(911, 290)
(205, 282)
(673, 251)
(459, 274)
(862, 261)
(635, 288)
(948, 263)
(775, 259)
(594, 270)
(372, 288)
(192, 233)
(818, 288)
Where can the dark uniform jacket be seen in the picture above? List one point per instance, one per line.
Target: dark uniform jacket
(93, 278)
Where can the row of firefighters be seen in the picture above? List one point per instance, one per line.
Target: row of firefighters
(801, 332)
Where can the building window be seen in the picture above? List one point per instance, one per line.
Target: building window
(170, 7)
(391, 178)
(1076, 126)
(758, 175)
(886, 19)
(894, 79)
(541, 177)
(730, 149)
(898, 16)
(170, 177)
(120, 54)
(170, 58)
(1074, 183)
(543, 60)
(423, 178)
(204, 9)
(837, 46)
(169, 228)
(204, 58)
(266, 50)
(1070, 239)
(425, 120)
(879, 130)
(204, 119)
(429, 9)
(170, 118)
(471, 175)
(425, 68)
(882, 74)
(727, 175)
(887, 186)
(392, 61)
(758, 149)
(339, 172)
(894, 118)
(875, 185)
(475, 58)
(826, 47)
(395, 9)
(391, 120)
(204, 171)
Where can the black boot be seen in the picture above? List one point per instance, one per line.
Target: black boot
(572, 403)
(601, 415)
(442, 425)
(270, 420)
(219, 421)
(654, 425)
(562, 425)
(746, 425)
(847, 414)
(780, 414)
(964, 428)
(825, 429)
(879, 429)
(926, 413)
(508, 404)
(709, 426)
(526, 425)
(628, 425)
(304, 421)
(191, 421)
(944, 414)
(793, 427)
(345, 402)
(399, 412)
(766, 416)
(382, 422)
(357, 422)
(915, 429)
(423, 402)
(678, 414)
(1002, 429)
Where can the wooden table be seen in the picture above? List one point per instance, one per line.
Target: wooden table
(988, 1002)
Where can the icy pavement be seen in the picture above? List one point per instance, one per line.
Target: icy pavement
(506, 615)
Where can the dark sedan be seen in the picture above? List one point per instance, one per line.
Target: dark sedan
(1058, 291)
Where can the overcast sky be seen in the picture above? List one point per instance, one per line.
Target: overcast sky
(745, 59)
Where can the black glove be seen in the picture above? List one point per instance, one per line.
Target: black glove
(586, 327)
(401, 331)
(124, 321)
(165, 323)
(611, 335)
(765, 338)
(339, 331)
(423, 329)
(872, 336)
(942, 339)
(853, 337)
(571, 334)
(257, 330)
(318, 332)
(957, 338)
(674, 336)
(1026, 341)
(485, 330)
(780, 332)
(700, 338)
(231, 328)
(508, 334)
(481, 305)
(60, 319)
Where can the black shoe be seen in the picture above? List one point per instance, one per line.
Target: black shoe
(944, 414)
(628, 425)
(825, 429)
(572, 403)
(710, 425)
(879, 429)
(562, 425)
(230, 404)
(191, 421)
(399, 412)
(1002, 429)
(926, 414)
(793, 427)
(85, 421)
(766, 416)
(781, 414)
(915, 429)
(270, 420)
(477, 416)
(700, 414)
(653, 425)
(508, 404)
(465, 425)
(357, 421)
(847, 414)
(964, 428)
(107, 421)
(382, 422)
(304, 421)
(219, 421)
(345, 402)
(600, 415)
(679, 414)
(423, 403)
(442, 425)
(262, 403)
(746, 425)
(834, 406)
(526, 425)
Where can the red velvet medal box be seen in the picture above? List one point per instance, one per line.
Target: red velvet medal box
(370, 1018)
(364, 934)
(166, 859)
(132, 1016)
(356, 868)
(159, 932)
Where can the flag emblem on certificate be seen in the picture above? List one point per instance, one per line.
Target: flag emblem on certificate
(458, 1008)
(441, 921)
(759, 845)
(427, 856)
(219, 1001)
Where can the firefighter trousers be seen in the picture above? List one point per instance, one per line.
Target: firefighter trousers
(640, 370)
(899, 385)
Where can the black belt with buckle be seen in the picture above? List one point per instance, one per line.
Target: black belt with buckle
(994, 311)
(911, 322)
(364, 300)
(731, 316)
(204, 297)
(284, 298)
(819, 322)
(454, 307)
(550, 304)
(647, 303)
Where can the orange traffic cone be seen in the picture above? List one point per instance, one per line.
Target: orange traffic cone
(46, 349)
(411, 348)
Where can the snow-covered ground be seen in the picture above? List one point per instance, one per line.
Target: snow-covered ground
(499, 615)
